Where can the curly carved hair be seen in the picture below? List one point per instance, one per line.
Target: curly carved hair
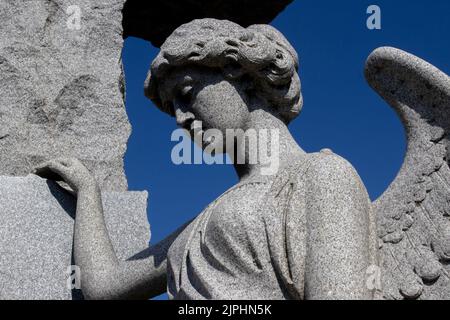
(260, 52)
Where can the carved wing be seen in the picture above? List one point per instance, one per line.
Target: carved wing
(414, 212)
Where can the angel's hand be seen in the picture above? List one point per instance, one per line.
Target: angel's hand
(69, 170)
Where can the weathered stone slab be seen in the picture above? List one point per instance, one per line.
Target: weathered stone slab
(62, 84)
(36, 233)
(62, 89)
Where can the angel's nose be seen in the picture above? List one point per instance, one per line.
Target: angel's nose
(184, 118)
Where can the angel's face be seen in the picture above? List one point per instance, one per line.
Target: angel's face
(203, 97)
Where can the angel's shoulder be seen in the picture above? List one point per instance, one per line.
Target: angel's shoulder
(322, 171)
(327, 174)
(325, 169)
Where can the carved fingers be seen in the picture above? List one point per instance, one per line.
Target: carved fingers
(69, 170)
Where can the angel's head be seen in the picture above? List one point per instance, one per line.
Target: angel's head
(218, 72)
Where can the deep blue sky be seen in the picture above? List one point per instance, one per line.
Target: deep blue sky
(341, 112)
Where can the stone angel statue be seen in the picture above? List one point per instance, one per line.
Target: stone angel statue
(309, 231)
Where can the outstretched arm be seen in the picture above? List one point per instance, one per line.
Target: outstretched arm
(340, 231)
(103, 276)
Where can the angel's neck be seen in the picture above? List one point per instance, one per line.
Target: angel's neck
(275, 147)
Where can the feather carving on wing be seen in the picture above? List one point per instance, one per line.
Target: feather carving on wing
(414, 212)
